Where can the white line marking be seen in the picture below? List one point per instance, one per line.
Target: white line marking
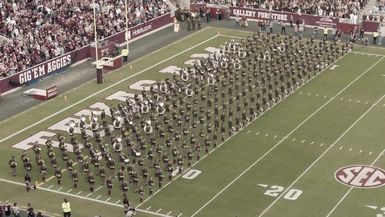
(277, 144)
(325, 96)
(83, 198)
(312, 143)
(366, 102)
(371, 207)
(350, 149)
(266, 134)
(365, 53)
(360, 151)
(257, 134)
(308, 94)
(317, 95)
(69, 190)
(50, 187)
(262, 185)
(169, 213)
(358, 101)
(248, 131)
(89, 194)
(321, 145)
(98, 197)
(303, 141)
(79, 193)
(179, 215)
(350, 100)
(108, 199)
(341, 98)
(370, 153)
(60, 188)
(275, 136)
(351, 188)
(104, 89)
(293, 140)
(323, 154)
(158, 210)
(300, 93)
(99, 188)
(148, 208)
(341, 147)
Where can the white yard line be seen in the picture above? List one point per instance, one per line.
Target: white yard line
(351, 188)
(104, 89)
(320, 157)
(366, 53)
(83, 198)
(285, 137)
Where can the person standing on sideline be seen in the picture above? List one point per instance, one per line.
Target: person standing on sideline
(66, 206)
(16, 210)
(283, 28)
(326, 33)
(375, 36)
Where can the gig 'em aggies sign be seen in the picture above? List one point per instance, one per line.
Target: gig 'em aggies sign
(361, 176)
(44, 69)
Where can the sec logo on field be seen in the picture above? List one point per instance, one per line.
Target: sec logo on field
(361, 176)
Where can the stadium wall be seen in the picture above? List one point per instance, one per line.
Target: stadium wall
(63, 62)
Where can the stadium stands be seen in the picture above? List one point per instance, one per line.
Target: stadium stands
(35, 31)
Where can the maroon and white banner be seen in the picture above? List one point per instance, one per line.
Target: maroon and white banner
(265, 15)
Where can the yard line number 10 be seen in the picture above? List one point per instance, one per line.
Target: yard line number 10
(291, 194)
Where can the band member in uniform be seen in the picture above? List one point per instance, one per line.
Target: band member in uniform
(75, 178)
(28, 182)
(91, 181)
(43, 172)
(13, 164)
(109, 185)
(58, 175)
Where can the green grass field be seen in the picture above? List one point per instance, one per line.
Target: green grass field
(282, 164)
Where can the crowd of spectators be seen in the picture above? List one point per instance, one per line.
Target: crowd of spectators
(33, 31)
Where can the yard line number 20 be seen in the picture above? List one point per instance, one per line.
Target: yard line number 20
(291, 194)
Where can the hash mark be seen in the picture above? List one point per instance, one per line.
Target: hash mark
(257, 134)
(108, 199)
(169, 213)
(350, 100)
(148, 208)
(308, 94)
(341, 147)
(248, 132)
(383, 105)
(275, 136)
(360, 151)
(370, 153)
(350, 149)
(312, 143)
(89, 194)
(300, 93)
(358, 101)
(266, 134)
(341, 98)
(158, 210)
(303, 141)
(50, 186)
(79, 193)
(117, 201)
(98, 197)
(69, 190)
(179, 215)
(317, 94)
(325, 96)
(262, 185)
(60, 188)
(321, 145)
(366, 102)
(293, 140)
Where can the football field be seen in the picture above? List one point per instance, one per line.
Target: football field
(318, 152)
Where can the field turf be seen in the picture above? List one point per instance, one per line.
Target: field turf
(282, 164)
